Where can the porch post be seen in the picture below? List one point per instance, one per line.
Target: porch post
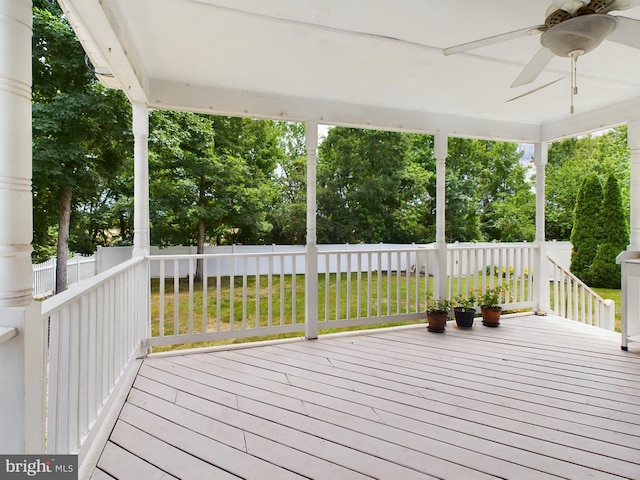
(22, 332)
(141, 237)
(441, 151)
(541, 275)
(311, 277)
(633, 141)
(141, 180)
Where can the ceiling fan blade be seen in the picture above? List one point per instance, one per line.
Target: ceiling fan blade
(535, 90)
(539, 61)
(627, 32)
(463, 47)
(621, 5)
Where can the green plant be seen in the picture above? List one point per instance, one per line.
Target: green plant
(438, 305)
(492, 297)
(466, 302)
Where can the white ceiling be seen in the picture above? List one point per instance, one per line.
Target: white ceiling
(301, 60)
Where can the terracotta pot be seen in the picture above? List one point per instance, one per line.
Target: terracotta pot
(491, 316)
(437, 322)
(464, 317)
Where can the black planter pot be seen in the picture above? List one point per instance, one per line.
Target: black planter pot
(464, 317)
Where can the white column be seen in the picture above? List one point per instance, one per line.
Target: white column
(633, 140)
(311, 278)
(21, 329)
(541, 275)
(141, 180)
(441, 150)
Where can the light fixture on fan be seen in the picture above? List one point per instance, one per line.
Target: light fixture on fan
(577, 36)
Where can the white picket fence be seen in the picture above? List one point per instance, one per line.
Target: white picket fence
(79, 268)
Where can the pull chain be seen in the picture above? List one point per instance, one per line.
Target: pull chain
(574, 75)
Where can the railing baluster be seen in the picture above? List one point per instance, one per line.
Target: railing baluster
(282, 290)
(270, 293)
(359, 286)
(191, 275)
(205, 295)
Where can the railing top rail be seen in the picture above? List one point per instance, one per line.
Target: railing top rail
(58, 301)
(411, 248)
(321, 251)
(471, 246)
(572, 276)
(200, 256)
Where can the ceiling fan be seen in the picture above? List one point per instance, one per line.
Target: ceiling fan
(572, 28)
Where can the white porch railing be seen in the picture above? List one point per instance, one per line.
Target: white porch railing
(94, 338)
(263, 293)
(478, 266)
(573, 299)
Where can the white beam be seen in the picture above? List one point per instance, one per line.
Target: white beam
(104, 49)
(541, 285)
(164, 94)
(441, 150)
(540, 154)
(141, 243)
(311, 277)
(582, 123)
(633, 140)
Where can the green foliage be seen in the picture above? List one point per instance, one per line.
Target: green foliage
(585, 236)
(210, 178)
(288, 212)
(467, 302)
(439, 305)
(605, 272)
(363, 185)
(493, 297)
(81, 142)
(570, 162)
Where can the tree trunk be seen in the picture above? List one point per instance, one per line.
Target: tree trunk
(64, 220)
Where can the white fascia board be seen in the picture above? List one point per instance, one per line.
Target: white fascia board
(95, 33)
(169, 95)
(593, 121)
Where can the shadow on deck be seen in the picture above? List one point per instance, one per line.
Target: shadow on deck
(539, 397)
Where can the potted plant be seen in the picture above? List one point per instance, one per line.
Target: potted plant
(465, 310)
(437, 314)
(490, 307)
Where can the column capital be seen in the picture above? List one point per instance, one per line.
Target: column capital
(540, 154)
(441, 146)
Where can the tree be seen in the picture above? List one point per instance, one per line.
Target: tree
(585, 235)
(363, 184)
(81, 131)
(207, 178)
(288, 213)
(570, 161)
(605, 272)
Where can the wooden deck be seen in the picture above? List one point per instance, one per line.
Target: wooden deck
(537, 398)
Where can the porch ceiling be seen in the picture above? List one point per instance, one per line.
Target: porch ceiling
(333, 61)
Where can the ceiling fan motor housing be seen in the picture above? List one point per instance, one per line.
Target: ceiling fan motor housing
(584, 32)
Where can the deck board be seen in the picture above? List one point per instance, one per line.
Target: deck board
(537, 398)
